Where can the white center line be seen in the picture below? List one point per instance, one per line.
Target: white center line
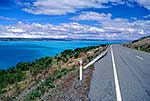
(139, 57)
(118, 93)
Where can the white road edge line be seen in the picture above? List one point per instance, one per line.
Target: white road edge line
(117, 87)
(139, 57)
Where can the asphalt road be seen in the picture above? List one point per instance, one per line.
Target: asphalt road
(122, 75)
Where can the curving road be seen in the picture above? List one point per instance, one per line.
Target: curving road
(122, 75)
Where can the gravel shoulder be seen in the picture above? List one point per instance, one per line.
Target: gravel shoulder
(73, 89)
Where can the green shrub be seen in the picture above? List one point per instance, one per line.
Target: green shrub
(2, 91)
(24, 66)
(49, 83)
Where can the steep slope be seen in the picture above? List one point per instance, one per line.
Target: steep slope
(31, 81)
(142, 44)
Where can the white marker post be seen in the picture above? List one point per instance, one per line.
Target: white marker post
(80, 71)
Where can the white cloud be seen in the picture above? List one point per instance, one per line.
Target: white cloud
(60, 7)
(131, 30)
(7, 18)
(147, 16)
(103, 19)
(118, 25)
(144, 3)
(108, 28)
(93, 16)
(16, 30)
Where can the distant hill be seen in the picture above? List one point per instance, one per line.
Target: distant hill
(62, 39)
(30, 39)
(142, 44)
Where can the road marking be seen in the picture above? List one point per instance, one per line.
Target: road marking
(139, 57)
(118, 93)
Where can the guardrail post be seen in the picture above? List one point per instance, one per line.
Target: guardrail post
(80, 70)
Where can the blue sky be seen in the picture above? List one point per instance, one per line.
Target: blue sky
(96, 19)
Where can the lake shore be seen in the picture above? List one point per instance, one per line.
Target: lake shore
(14, 52)
(52, 71)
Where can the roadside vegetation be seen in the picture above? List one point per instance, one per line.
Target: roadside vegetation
(46, 73)
(48, 84)
(142, 44)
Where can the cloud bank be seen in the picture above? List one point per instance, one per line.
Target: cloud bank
(107, 28)
(60, 7)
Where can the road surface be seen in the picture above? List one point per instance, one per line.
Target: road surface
(122, 75)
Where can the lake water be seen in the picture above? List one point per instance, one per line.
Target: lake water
(12, 52)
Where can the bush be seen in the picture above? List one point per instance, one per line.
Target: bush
(39, 91)
(60, 73)
(2, 91)
(49, 83)
(24, 66)
(11, 78)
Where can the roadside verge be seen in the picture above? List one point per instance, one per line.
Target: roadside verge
(96, 58)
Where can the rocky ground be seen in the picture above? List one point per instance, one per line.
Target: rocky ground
(73, 89)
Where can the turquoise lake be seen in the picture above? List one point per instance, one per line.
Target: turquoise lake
(13, 52)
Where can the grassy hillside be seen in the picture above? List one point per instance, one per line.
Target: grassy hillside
(142, 44)
(43, 74)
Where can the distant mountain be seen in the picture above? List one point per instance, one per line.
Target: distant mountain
(48, 39)
(142, 44)
(29, 39)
